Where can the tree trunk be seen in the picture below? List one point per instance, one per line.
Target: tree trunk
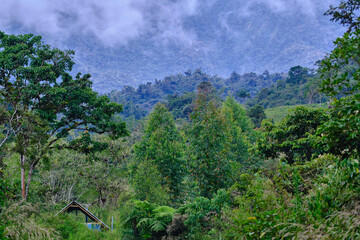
(22, 166)
(32, 166)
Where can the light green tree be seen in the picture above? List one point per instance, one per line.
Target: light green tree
(240, 129)
(163, 146)
(209, 146)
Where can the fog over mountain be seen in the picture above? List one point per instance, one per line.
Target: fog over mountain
(135, 41)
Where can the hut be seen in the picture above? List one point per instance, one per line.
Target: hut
(90, 219)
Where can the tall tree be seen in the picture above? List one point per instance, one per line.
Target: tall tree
(43, 102)
(341, 77)
(163, 146)
(209, 162)
(239, 127)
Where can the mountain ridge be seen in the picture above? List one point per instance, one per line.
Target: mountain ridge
(217, 36)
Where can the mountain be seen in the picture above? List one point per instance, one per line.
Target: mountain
(160, 39)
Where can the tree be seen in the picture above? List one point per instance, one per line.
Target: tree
(234, 77)
(148, 184)
(243, 94)
(209, 146)
(257, 114)
(293, 136)
(163, 146)
(340, 135)
(347, 13)
(298, 75)
(43, 102)
(240, 129)
(341, 77)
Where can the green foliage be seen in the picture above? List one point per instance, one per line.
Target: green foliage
(340, 69)
(298, 75)
(68, 227)
(243, 94)
(162, 146)
(257, 114)
(44, 103)
(346, 13)
(3, 192)
(21, 224)
(148, 221)
(292, 136)
(181, 106)
(340, 75)
(178, 91)
(147, 184)
(277, 114)
(240, 132)
(300, 87)
(209, 163)
(294, 190)
(201, 211)
(302, 202)
(339, 135)
(161, 216)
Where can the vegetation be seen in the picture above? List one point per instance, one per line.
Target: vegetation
(178, 91)
(197, 167)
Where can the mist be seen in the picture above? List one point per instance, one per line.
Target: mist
(111, 22)
(127, 42)
(115, 22)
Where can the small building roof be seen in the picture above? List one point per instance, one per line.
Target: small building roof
(75, 205)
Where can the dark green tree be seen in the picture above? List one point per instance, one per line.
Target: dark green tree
(340, 135)
(298, 75)
(243, 94)
(257, 114)
(341, 77)
(43, 102)
(294, 136)
(346, 13)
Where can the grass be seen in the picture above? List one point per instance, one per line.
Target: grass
(279, 113)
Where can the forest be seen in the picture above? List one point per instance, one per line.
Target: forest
(192, 156)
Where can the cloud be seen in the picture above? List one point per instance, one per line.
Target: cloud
(307, 7)
(168, 21)
(113, 22)
(116, 22)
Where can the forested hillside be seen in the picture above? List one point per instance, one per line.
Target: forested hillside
(299, 85)
(198, 158)
(139, 101)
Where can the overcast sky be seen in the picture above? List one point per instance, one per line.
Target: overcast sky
(115, 22)
(122, 42)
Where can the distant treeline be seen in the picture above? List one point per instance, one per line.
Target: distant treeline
(298, 86)
(138, 102)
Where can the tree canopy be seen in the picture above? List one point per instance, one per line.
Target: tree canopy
(41, 102)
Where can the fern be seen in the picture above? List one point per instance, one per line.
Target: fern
(164, 212)
(20, 223)
(158, 226)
